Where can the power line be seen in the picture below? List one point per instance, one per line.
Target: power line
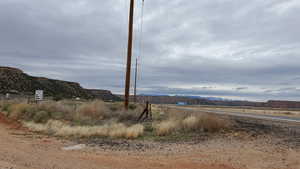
(139, 56)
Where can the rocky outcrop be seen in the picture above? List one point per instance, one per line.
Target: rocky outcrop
(105, 95)
(15, 81)
(12, 79)
(283, 104)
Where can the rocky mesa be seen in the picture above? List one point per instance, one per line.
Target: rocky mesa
(13, 80)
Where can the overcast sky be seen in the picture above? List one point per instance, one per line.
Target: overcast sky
(239, 49)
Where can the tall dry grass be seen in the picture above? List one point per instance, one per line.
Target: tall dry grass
(114, 130)
(191, 123)
(21, 110)
(166, 127)
(203, 122)
(37, 112)
(88, 113)
(213, 123)
(134, 131)
(107, 111)
(96, 109)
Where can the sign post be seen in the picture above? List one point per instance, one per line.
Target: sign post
(39, 95)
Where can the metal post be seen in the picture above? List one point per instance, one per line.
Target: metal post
(129, 54)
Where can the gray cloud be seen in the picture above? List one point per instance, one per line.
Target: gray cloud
(241, 88)
(200, 48)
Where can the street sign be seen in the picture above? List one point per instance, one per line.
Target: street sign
(39, 95)
(7, 96)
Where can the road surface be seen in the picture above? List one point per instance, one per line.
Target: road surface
(285, 119)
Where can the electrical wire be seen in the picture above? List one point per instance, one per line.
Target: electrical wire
(140, 47)
(138, 74)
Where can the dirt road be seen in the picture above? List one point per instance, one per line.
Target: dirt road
(235, 113)
(20, 149)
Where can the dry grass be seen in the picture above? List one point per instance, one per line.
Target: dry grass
(115, 130)
(191, 123)
(204, 122)
(212, 123)
(96, 109)
(35, 127)
(51, 106)
(21, 111)
(134, 131)
(107, 111)
(38, 112)
(108, 119)
(166, 127)
(89, 113)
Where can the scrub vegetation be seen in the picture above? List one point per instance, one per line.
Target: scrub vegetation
(100, 119)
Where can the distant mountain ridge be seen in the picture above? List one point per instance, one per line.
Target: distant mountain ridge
(189, 96)
(207, 98)
(15, 80)
(192, 100)
(198, 100)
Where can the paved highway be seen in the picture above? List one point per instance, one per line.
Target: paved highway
(247, 115)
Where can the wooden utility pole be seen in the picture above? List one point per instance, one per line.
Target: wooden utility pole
(135, 78)
(129, 54)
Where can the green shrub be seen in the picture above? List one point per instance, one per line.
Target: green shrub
(132, 106)
(54, 107)
(58, 98)
(57, 115)
(18, 111)
(5, 107)
(115, 106)
(41, 117)
(127, 116)
(95, 109)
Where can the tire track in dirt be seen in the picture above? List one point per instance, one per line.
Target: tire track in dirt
(21, 149)
(25, 150)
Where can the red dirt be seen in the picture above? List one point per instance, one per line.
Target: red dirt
(21, 152)
(20, 149)
(12, 124)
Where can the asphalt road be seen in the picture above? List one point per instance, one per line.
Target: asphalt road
(248, 115)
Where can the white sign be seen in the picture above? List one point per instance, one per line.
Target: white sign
(39, 95)
(7, 95)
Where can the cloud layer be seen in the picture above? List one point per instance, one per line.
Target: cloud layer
(236, 49)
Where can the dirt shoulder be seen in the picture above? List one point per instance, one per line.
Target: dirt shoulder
(21, 149)
(254, 110)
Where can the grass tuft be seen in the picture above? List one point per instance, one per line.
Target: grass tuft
(95, 109)
(166, 127)
(115, 130)
(206, 122)
(134, 131)
(191, 123)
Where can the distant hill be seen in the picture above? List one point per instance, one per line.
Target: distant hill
(103, 95)
(194, 100)
(13, 80)
(198, 100)
(165, 99)
(206, 98)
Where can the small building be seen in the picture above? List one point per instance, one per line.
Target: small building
(181, 103)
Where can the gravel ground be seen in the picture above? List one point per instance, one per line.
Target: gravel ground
(240, 149)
